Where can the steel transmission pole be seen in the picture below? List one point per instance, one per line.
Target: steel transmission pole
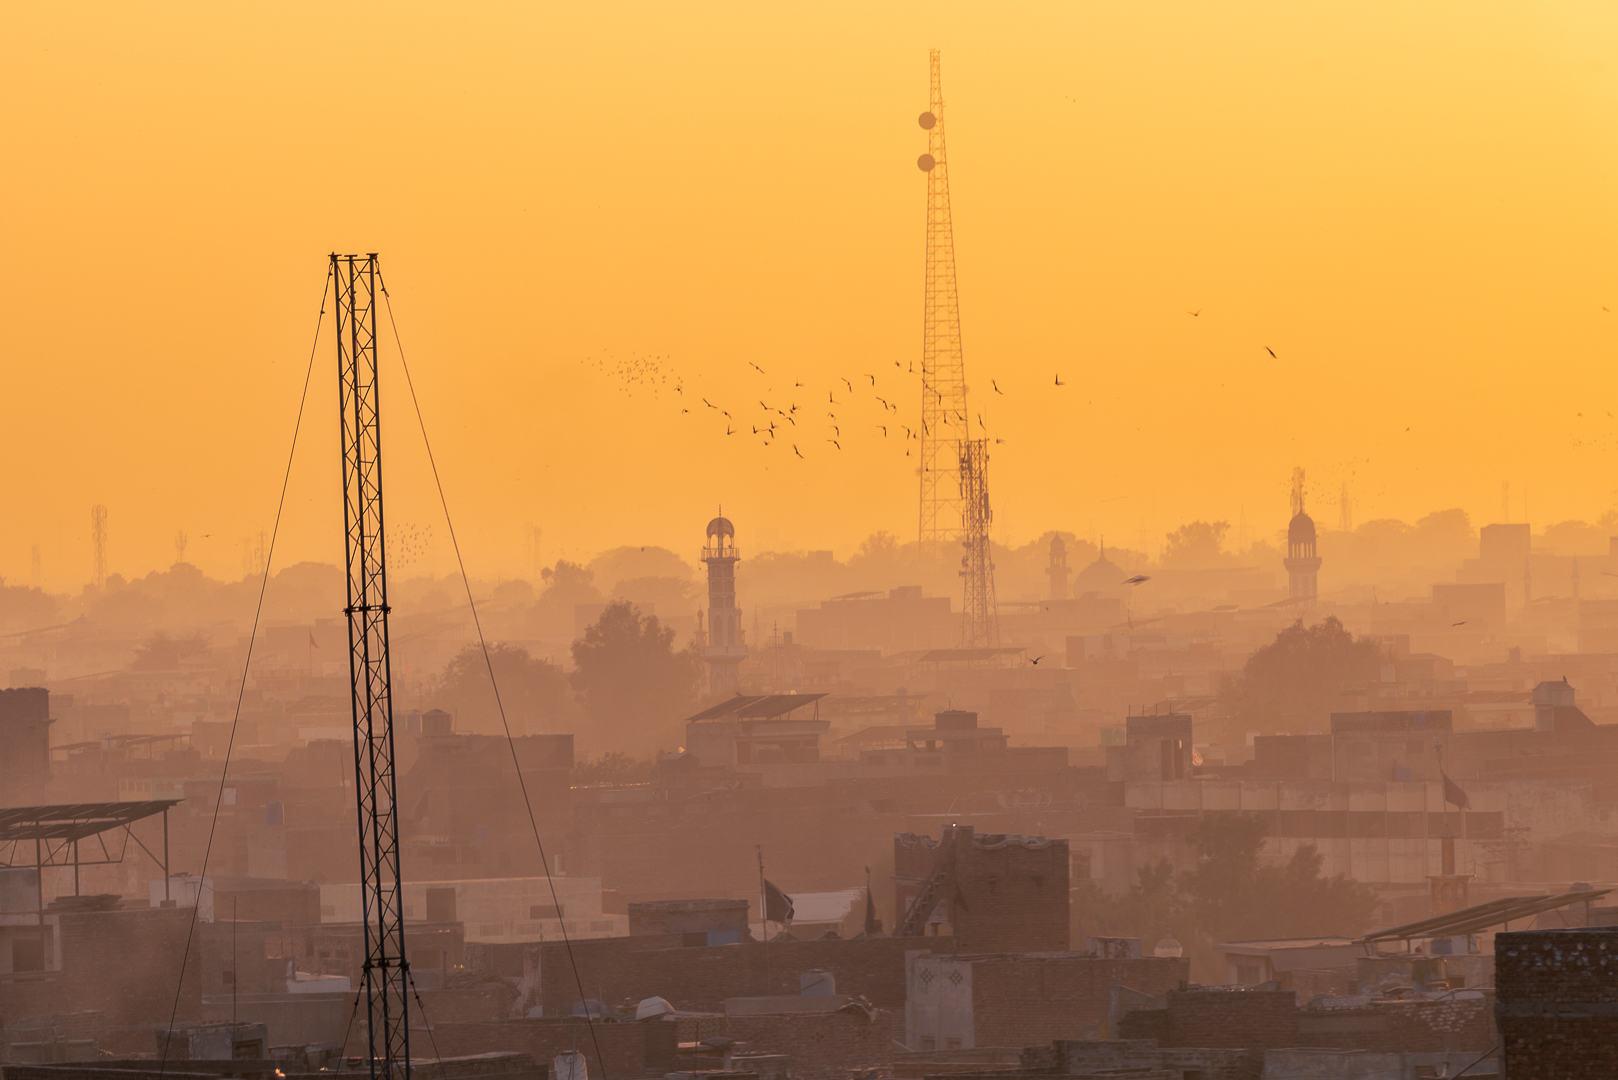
(386, 971)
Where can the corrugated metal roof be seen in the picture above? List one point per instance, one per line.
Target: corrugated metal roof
(752, 707)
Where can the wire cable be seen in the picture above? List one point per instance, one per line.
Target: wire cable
(425, 1022)
(483, 644)
(247, 665)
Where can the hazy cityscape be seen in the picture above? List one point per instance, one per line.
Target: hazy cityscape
(808, 704)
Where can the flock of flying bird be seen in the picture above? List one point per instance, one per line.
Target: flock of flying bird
(793, 425)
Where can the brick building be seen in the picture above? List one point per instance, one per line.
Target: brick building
(1557, 1002)
(994, 892)
(961, 1002)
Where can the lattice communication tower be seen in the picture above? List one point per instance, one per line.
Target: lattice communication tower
(980, 622)
(943, 371)
(386, 971)
(98, 545)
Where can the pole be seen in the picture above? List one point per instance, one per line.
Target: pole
(167, 900)
(235, 975)
(763, 916)
(39, 891)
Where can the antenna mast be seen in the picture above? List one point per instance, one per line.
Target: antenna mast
(386, 971)
(980, 622)
(943, 371)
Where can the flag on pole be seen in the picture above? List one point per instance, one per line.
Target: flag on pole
(1453, 792)
(312, 644)
(777, 904)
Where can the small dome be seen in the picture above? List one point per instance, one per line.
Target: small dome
(1099, 576)
(1302, 529)
(1168, 947)
(721, 526)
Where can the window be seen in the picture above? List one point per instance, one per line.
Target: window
(1079, 866)
(544, 911)
(929, 1043)
(952, 1044)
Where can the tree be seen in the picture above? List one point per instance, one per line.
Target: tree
(1232, 896)
(1196, 545)
(163, 653)
(613, 767)
(1298, 677)
(629, 676)
(534, 692)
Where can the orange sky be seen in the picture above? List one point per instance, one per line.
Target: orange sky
(1413, 205)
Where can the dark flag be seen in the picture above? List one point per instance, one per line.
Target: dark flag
(873, 925)
(777, 904)
(1453, 792)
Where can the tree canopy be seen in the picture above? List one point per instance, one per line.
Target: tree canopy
(1231, 894)
(535, 692)
(629, 677)
(1298, 677)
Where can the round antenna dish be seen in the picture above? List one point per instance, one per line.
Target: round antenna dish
(926, 162)
(927, 121)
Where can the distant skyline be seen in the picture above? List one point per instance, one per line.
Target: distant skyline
(1414, 208)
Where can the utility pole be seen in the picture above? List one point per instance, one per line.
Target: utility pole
(943, 365)
(386, 971)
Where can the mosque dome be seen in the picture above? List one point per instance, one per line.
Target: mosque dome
(721, 526)
(1301, 530)
(1100, 576)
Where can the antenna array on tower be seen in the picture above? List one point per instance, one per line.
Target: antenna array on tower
(943, 371)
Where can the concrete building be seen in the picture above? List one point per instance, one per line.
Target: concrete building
(991, 892)
(494, 909)
(965, 1001)
(25, 754)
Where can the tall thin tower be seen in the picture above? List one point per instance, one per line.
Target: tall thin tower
(943, 370)
(725, 648)
(980, 622)
(386, 970)
(98, 545)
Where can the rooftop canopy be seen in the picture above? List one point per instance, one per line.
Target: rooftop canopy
(1482, 916)
(755, 707)
(74, 821)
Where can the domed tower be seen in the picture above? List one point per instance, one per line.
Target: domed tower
(725, 649)
(1057, 571)
(1302, 563)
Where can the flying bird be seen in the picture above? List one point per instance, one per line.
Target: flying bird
(1271, 352)
(830, 398)
(795, 450)
(728, 431)
(1136, 580)
(1461, 623)
(996, 387)
(1195, 313)
(1036, 660)
(755, 367)
(848, 384)
(884, 428)
(1059, 381)
(710, 404)
(835, 443)
(868, 375)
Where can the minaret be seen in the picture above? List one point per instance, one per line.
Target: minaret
(724, 651)
(1301, 562)
(1057, 571)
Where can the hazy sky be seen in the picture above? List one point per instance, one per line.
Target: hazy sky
(1412, 205)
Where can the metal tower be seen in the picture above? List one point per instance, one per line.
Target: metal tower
(980, 623)
(386, 971)
(98, 545)
(724, 649)
(943, 372)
